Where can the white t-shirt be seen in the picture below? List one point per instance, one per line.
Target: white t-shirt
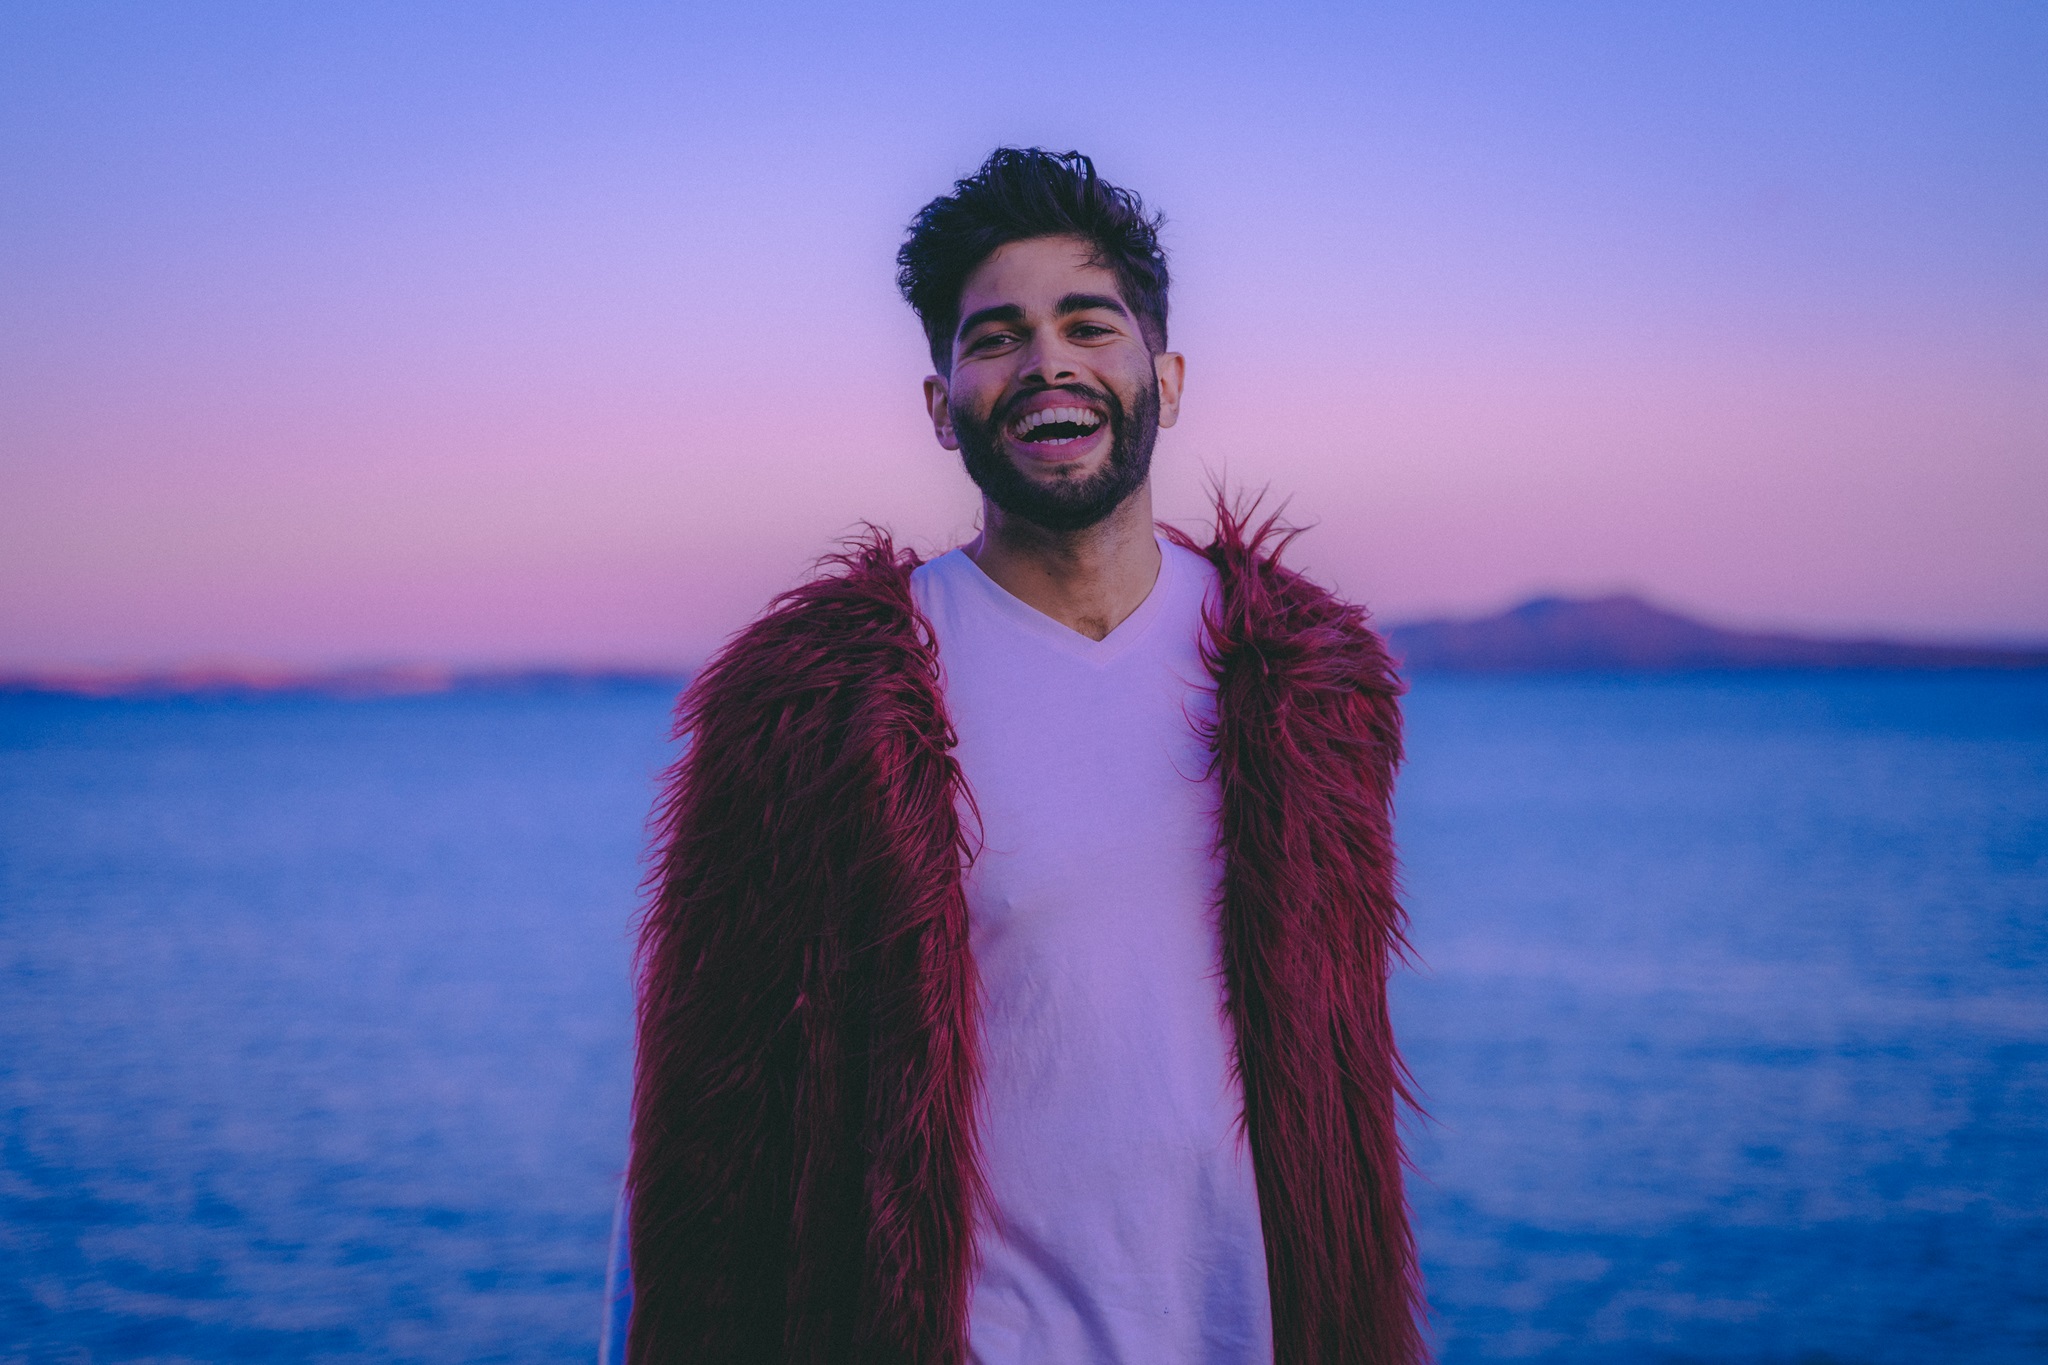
(1125, 1225)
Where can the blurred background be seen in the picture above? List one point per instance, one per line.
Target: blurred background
(397, 401)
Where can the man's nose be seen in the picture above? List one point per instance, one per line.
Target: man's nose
(1046, 359)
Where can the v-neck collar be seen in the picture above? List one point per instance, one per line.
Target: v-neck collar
(1064, 637)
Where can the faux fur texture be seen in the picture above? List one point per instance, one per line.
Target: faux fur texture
(1307, 738)
(803, 1179)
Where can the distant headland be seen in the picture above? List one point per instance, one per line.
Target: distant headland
(1618, 634)
(1622, 634)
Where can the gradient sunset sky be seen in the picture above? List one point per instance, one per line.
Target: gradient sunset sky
(491, 333)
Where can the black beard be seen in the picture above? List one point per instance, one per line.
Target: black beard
(1066, 504)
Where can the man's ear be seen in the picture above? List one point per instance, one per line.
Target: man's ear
(1171, 367)
(935, 403)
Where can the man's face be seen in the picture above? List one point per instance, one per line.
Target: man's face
(1055, 399)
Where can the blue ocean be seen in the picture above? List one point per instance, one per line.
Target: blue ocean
(1730, 1007)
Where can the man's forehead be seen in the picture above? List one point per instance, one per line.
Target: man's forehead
(1037, 272)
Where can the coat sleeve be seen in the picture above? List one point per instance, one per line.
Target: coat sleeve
(1308, 739)
(801, 1177)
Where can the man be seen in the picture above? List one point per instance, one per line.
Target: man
(1014, 989)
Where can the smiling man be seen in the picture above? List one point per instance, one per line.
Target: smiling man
(1052, 389)
(1015, 986)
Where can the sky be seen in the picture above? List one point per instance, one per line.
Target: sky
(526, 334)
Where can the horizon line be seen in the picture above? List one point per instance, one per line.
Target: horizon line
(218, 675)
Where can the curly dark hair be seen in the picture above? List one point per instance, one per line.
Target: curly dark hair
(1020, 193)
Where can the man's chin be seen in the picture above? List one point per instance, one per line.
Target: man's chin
(1070, 491)
(1060, 505)
(1049, 472)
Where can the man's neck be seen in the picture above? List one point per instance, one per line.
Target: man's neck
(1087, 580)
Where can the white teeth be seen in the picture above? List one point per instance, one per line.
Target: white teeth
(1077, 416)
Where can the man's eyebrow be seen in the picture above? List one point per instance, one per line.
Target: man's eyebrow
(1081, 303)
(1072, 303)
(1002, 312)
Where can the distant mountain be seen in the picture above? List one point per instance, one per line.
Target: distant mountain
(1628, 635)
(1618, 634)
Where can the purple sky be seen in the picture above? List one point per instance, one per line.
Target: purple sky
(357, 332)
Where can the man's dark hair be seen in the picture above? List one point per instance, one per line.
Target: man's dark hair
(1018, 194)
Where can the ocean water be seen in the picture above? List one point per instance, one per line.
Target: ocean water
(1731, 1013)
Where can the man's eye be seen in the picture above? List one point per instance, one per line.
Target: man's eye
(987, 340)
(1091, 329)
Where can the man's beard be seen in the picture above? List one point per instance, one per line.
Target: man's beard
(1072, 504)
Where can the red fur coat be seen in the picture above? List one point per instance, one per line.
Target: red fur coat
(803, 1180)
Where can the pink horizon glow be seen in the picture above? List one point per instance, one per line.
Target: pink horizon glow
(528, 352)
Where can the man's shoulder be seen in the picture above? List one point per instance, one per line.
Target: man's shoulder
(931, 574)
(863, 584)
(1185, 554)
(852, 623)
(1276, 617)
